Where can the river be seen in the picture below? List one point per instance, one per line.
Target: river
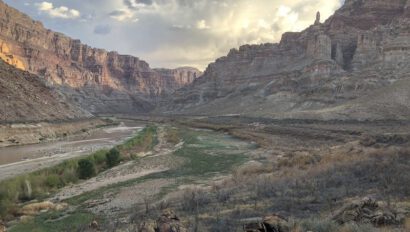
(18, 160)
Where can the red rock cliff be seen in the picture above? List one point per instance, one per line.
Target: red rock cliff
(27, 45)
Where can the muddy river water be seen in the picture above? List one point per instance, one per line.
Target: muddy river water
(22, 159)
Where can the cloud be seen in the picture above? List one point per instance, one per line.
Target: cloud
(123, 15)
(102, 29)
(58, 12)
(171, 33)
(214, 27)
(135, 4)
(201, 25)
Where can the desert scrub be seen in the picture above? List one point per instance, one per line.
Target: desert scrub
(42, 183)
(86, 169)
(54, 221)
(144, 141)
(172, 135)
(113, 157)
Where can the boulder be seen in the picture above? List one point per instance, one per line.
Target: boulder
(2, 227)
(94, 225)
(36, 208)
(167, 222)
(271, 223)
(367, 211)
(148, 226)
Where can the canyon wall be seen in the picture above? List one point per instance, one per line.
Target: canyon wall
(75, 67)
(362, 48)
(25, 98)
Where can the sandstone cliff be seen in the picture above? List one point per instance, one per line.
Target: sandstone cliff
(26, 98)
(363, 48)
(103, 81)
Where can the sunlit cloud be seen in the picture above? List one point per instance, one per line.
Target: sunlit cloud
(123, 15)
(57, 12)
(171, 33)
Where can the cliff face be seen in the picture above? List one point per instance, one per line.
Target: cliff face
(363, 47)
(72, 66)
(26, 98)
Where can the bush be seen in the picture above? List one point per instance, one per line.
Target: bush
(100, 157)
(53, 181)
(172, 136)
(113, 157)
(319, 225)
(86, 169)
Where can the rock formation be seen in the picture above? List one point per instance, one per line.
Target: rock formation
(317, 21)
(320, 47)
(2, 227)
(271, 223)
(368, 211)
(25, 97)
(167, 222)
(66, 62)
(363, 47)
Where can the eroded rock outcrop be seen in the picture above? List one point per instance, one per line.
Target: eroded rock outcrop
(2, 227)
(25, 97)
(368, 211)
(271, 223)
(361, 48)
(66, 62)
(167, 222)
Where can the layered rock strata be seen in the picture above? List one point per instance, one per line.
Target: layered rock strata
(362, 48)
(65, 62)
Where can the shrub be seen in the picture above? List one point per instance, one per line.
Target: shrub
(53, 181)
(172, 136)
(113, 157)
(145, 140)
(86, 169)
(319, 225)
(357, 228)
(69, 176)
(100, 157)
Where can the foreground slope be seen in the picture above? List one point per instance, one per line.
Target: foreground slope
(358, 52)
(26, 98)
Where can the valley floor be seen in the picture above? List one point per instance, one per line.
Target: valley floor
(219, 173)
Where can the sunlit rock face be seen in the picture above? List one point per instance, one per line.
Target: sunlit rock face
(362, 47)
(98, 77)
(8, 57)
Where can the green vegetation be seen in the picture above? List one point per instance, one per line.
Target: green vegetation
(172, 135)
(55, 221)
(86, 169)
(40, 184)
(205, 155)
(143, 141)
(113, 157)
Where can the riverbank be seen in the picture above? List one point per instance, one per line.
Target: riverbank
(15, 134)
(236, 170)
(17, 160)
(40, 184)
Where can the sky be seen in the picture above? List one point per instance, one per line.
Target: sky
(175, 33)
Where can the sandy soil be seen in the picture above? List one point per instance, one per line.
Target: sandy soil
(155, 162)
(49, 154)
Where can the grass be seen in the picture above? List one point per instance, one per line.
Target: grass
(40, 184)
(142, 142)
(172, 135)
(204, 155)
(54, 221)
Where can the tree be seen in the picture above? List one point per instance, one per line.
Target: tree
(86, 169)
(113, 157)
